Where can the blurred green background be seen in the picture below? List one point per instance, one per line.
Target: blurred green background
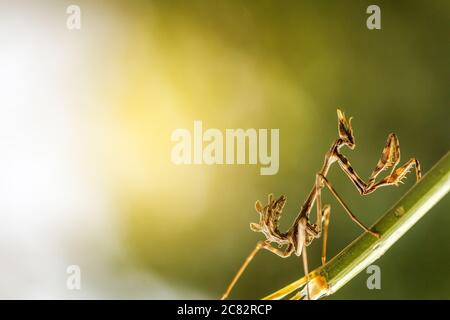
(138, 70)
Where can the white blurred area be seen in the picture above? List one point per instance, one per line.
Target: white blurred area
(55, 206)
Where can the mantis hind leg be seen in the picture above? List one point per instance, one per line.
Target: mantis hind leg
(260, 245)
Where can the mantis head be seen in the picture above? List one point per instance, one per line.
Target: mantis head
(345, 130)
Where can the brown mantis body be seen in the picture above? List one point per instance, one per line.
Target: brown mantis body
(303, 232)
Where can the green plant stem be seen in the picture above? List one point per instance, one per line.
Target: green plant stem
(366, 249)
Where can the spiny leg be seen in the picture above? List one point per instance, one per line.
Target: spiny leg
(390, 157)
(396, 176)
(260, 245)
(349, 212)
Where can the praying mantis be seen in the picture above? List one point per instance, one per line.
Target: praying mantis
(302, 232)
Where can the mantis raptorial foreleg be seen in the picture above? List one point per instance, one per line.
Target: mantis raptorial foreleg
(396, 176)
(390, 157)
